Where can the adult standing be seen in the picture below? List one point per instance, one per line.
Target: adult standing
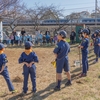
(23, 34)
(14, 34)
(47, 32)
(72, 36)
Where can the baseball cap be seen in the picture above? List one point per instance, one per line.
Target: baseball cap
(1, 46)
(85, 31)
(62, 33)
(28, 44)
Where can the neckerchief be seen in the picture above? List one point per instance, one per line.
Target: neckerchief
(1, 51)
(27, 52)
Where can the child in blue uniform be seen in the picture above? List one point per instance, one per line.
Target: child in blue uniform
(97, 45)
(61, 52)
(84, 48)
(4, 70)
(29, 58)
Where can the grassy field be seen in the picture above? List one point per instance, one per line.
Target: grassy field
(87, 88)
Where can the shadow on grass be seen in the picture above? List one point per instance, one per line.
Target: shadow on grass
(91, 64)
(90, 50)
(76, 70)
(91, 60)
(40, 95)
(4, 95)
(74, 46)
(43, 46)
(91, 56)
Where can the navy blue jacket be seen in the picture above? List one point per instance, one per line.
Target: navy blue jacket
(62, 49)
(32, 57)
(3, 60)
(96, 46)
(85, 44)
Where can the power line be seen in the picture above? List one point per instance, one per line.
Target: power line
(79, 8)
(78, 4)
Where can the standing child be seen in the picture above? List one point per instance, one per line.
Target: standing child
(4, 70)
(61, 52)
(29, 58)
(84, 48)
(97, 45)
(17, 39)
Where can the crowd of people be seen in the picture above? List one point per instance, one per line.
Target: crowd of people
(38, 38)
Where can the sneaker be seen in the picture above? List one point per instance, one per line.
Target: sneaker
(68, 83)
(83, 75)
(14, 91)
(95, 62)
(56, 89)
(23, 93)
(33, 92)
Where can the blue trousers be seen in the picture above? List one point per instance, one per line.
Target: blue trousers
(32, 72)
(85, 62)
(5, 74)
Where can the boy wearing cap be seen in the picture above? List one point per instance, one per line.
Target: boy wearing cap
(97, 45)
(84, 49)
(29, 58)
(4, 70)
(61, 52)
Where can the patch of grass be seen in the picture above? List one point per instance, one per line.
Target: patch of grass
(68, 40)
(97, 66)
(87, 79)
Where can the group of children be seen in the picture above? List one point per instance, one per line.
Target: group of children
(20, 39)
(29, 58)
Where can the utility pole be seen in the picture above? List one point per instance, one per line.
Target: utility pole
(96, 4)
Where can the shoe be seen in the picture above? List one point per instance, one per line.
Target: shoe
(14, 91)
(68, 83)
(95, 62)
(56, 89)
(83, 75)
(23, 93)
(34, 92)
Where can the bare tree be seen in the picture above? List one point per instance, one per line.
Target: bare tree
(44, 12)
(5, 5)
(16, 14)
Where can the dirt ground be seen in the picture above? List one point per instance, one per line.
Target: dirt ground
(87, 88)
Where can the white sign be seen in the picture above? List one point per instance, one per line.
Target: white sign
(1, 32)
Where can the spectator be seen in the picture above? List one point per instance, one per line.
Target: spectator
(37, 32)
(24, 38)
(47, 38)
(23, 34)
(72, 37)
(17, 38)
(44, 39)
(40, 38)
(30, 39)
(14, 34)
(20, 39)
(12, 39)
(55, 39)
(55, 32)
(47, 32)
